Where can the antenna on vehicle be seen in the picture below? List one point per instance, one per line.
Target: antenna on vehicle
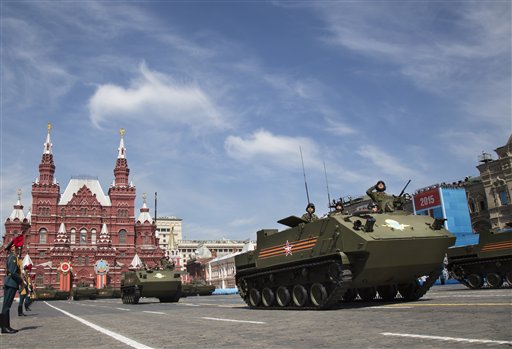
(304, 172)
(327, 185)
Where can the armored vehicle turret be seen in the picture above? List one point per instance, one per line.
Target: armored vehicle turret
(489, 261)
(164, 284)
(367, 254)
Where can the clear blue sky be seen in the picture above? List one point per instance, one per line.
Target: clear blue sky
(217, 97)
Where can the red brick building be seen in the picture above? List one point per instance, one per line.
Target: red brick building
(97, 235)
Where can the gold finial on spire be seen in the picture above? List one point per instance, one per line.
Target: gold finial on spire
(19, 193)
(144, 197)
(49, 127)
(121, 131)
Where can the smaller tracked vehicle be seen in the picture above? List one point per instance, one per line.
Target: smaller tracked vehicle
(164, 284)
(489, 261)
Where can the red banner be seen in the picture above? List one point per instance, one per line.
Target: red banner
(427, 199)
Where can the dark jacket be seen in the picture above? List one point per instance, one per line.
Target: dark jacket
(13, 278)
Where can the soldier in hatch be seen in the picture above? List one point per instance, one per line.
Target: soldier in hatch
(310, 215)
(378, 194)
(338, 208)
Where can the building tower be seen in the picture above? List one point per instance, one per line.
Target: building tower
(122, 196)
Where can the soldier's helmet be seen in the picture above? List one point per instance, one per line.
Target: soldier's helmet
(339, 204)
(383, 188)
(310, 205)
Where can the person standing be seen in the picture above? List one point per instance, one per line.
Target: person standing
(378, 194)
(12, 282)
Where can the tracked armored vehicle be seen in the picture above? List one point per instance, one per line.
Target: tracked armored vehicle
(197, 287)
(489, 261)
(376, 256)
(49, 293)
(84, 292)
(164, 284)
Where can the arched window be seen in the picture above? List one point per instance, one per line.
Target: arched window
(73, 236)
(122, 236)
(83, 236)
(93, 236)
(83, 211)
(42, 235)
(63, 212)
(146, 240)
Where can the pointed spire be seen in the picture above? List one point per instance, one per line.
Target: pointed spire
(104, 236)
(121, 171)
(136, 262)
(17, 212)
(29, 216)
(122, 149)
(48, 144)
(144, 212)
(62, 236)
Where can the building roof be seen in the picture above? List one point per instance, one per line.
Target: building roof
(75, 184)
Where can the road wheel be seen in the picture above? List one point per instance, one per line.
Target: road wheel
(409, 291)
(254, 297)
(299, 295)
(267, 297)
(282, 296)
(350, 295)
(475, 281)
(367, 294)
(387, 292)
(317, 294)
(494, 280)
(509, 277)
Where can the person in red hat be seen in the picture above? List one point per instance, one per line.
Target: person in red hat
(12, 282)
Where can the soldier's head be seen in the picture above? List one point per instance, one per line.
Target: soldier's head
(380, 186)
(372, 206)
(310, 208)
(339, 206)
(15, 244)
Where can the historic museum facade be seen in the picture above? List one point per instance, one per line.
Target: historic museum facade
(83, 236)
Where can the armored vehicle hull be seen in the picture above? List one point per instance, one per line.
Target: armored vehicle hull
(163, 284)
(108, 292)
(316, 265)
(489, 261)
(84, 293)
(51, 294)
(197, 289)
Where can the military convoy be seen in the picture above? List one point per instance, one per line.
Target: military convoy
(164, 284)
(315, 265)
(489, 261)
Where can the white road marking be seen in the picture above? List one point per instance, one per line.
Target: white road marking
(153, 312)
(231, 320)
(388, 307)
(112, 334)
(123, 309)
(449, 339)
(190, 305)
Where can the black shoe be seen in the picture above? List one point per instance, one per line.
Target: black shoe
(8, 330)
(21, 314)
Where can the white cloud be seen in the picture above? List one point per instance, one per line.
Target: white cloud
(464, 59)
(155, 96)
(264, 146)
(386, 163)
(339, 128)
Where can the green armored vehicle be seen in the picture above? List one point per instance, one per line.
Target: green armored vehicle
(108, 292)
(315, 265)
(49, 293)
(197, 287)
(84, 292)
(164, 284)
(490, 260)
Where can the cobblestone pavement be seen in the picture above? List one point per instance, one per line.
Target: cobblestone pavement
(448, 316)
